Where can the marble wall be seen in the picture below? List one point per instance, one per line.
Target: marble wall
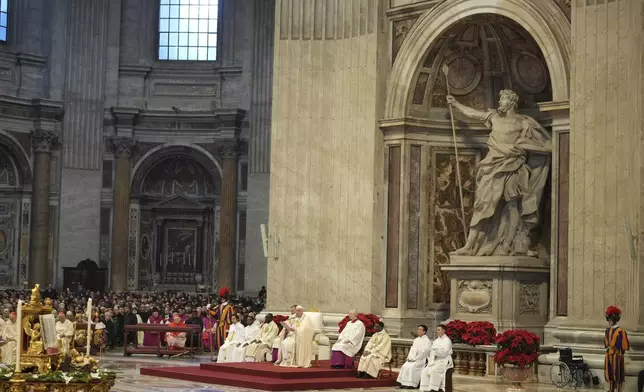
(325, 248)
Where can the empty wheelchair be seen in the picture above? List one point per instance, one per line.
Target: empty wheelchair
(571, 370)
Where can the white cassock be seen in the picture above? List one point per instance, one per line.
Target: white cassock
(9, 335)
(251, 332)
(409, 375)
(65, 333)
(350, 339)
(440, 360)
(296, 350)
(377, 353)
(234, 339)
(256, 351)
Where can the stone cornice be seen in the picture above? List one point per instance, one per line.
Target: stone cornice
(124, 116)
(134, 70)
(412, 9)
(32, 60)
(31, 109)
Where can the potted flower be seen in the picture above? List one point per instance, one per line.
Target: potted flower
(517, 350)
(479, 333)
(368, 319)
(455, 330)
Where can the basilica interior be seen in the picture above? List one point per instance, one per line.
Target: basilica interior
(309, 148)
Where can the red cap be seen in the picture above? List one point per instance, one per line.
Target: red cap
(224, 291)
(613, 310)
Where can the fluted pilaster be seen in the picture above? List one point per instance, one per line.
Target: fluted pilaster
(123, 148)
(42, 143)
(228, 218)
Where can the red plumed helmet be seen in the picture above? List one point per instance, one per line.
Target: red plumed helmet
(224, 292)
(613, 311)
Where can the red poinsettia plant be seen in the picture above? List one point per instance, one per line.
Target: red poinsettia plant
(278, 319)
(517, 347)
(455, 330)
(479, 333)
(368, 319)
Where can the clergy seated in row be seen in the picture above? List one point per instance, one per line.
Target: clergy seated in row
(8, 335)
(65, 332)
(251, 333)
(228, 351)
(376, 354)
(349, 343)
(296, 341)
(194, 319)
(440, 361)
(176, 340)
(409, 376)
(258, 348)
(151, 339)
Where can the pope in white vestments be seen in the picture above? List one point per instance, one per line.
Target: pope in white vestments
(65, 333)
(349, 343)
(440, 361)
(263, 344)
(409, 376)
(234, 339)
(296, 350)
(9, 333)
(376, 354)
(251, 332)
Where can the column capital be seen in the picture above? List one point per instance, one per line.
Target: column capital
(123, 146)
(229, 149)
(43, 140)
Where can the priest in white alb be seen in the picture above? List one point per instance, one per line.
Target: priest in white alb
(251, 332)
(65, 333)
(296, 350)
(376, 353)
(440, 361)
(234, 339)
(349, 343)
(409, 376)
(263, 344)
(9, 334)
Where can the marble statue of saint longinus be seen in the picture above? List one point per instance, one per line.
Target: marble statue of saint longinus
(509, 180)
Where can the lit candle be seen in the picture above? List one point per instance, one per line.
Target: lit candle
(89, 324)
(18, 335)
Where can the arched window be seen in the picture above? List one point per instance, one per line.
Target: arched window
(188, 29)
(4, 16)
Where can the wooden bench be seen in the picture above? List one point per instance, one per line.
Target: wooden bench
(159, 350)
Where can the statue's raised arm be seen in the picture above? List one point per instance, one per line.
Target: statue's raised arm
(466, 110)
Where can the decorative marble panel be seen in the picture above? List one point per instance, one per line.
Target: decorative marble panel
(529, 299)
(215, 249)
(401, 29)
(413, 231)
(8, 213)
(445, 220)
(145, 250)
(474, 296)
(105, 233)
(25, 230)
(393, 226)
(563, 191)
(133, 249)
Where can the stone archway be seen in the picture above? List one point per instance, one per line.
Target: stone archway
(15, 211)
(544, 21)
(174, 213)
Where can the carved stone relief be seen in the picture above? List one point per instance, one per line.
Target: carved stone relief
(133, 249)
(475, 296)
(145, 250)
(446, 223)
(179, 176)
(529, 299)
(401, 29)
(8, 210)
(25, 229)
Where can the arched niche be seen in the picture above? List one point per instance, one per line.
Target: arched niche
(543, 21)
(10, 148)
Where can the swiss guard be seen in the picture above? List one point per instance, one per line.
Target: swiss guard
(616, 342)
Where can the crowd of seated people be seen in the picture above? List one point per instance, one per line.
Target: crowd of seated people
(112, 311)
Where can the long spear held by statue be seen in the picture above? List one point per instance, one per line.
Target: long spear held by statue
(458, 166)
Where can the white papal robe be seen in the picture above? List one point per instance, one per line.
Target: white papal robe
(350, 339)
(296, 350)
(65, 333)
(376, 353)
(440, 360)
(256, 351)
(9, 334)
(410, 371)
(234, 339)
(251, 332)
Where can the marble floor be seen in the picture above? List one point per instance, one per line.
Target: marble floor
(130, 380)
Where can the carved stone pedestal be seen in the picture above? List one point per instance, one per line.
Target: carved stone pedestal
(509, 291)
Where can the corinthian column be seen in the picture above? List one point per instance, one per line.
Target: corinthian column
(123, 165)
(228, 215)
(42, 142)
